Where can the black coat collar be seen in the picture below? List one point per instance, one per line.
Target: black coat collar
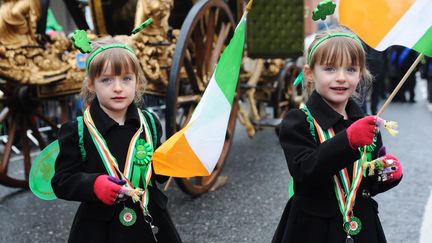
(326, 116)
(104, 123)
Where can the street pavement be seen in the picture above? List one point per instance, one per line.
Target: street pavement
(247, 209)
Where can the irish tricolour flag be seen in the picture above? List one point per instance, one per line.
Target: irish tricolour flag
(382, 23)
(195, 149)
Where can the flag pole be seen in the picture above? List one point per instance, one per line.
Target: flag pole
(405, 77)
(168, 184)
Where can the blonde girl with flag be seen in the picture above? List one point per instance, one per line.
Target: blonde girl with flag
(105, 161)
(334, 152)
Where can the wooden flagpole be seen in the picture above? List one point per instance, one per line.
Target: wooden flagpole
(405, 77)
(168, 184)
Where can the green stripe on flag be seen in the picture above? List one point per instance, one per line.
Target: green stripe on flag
(228, 68)
(424, 45)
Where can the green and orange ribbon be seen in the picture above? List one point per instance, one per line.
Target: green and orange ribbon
(132, 171)
(346, 191)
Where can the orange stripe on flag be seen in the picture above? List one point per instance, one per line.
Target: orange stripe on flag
(360, 15)
(169, 158)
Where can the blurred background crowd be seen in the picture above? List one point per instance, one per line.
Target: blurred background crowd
(388, 68)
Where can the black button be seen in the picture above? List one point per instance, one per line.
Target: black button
(365, 193)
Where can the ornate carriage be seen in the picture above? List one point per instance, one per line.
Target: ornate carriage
(178, 53)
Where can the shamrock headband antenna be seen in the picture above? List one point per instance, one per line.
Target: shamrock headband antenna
(82, 43)
(324, 9)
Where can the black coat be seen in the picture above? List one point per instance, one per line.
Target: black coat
(312, 214)
(73, 180)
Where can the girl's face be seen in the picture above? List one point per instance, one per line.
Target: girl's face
(115, 93)
(334, 83)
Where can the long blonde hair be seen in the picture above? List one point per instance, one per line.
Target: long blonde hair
(338, 50)
(120, 60)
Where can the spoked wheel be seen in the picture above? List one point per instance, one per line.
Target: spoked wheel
(21, 117)
(284, 96)
(204, 34)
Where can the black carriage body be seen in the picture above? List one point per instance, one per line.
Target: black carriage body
(116, 17)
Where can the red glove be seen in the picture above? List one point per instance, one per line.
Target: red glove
(397, 173)
(361, 132)
(107, 189)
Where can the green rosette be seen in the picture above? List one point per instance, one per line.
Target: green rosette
(143, 153)
(42, 171)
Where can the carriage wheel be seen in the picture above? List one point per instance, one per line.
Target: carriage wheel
(284, 96)
(205, 32)
(20, 115)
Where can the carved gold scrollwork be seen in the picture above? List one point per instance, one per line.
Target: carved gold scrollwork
(153, 46)
(23, 58)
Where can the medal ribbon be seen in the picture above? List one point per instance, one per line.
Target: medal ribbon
(131, 172)
(345, 191)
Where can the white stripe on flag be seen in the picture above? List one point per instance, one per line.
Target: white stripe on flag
(410, 27)
(207, 143)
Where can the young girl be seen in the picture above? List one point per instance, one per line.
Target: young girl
(323, 143)
(112, 157)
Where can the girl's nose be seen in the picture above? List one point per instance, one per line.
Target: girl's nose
(117, 85)
(341, 75)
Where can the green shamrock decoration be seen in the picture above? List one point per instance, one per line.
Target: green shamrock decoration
(324, 9)
(81, 42)
(143, 152)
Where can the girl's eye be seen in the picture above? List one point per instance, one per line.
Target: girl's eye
(329, 69)
(352, 69)
(127, 78)
(106, 80)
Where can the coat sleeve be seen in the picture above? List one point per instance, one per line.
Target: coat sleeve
(70, 181)
(307, 161)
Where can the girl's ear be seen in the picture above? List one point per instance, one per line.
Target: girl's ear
(308, 73)
(90, 86)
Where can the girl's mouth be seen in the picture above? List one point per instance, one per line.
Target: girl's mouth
(339, 88)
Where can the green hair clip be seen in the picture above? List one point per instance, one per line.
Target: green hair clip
(324, 9)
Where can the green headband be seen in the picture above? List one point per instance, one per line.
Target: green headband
(331, 35)
(299, 78)
(106, 47)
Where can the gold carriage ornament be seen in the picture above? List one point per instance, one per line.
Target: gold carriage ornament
(27, 59)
